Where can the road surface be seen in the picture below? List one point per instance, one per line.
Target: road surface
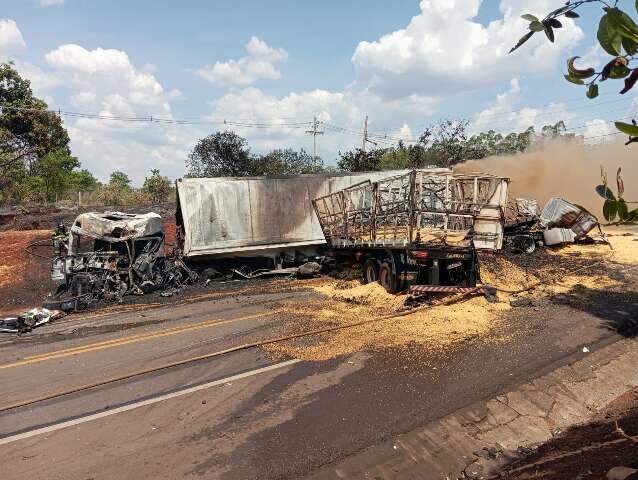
(246, 414)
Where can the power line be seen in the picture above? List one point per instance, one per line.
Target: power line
(158, 119)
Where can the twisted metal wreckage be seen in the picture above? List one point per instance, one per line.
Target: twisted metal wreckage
(112, 254)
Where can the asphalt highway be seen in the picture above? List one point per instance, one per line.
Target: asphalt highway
(245, 414)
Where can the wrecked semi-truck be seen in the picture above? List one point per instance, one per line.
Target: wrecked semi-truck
(422, 227)
(113, 254)
(256, 222)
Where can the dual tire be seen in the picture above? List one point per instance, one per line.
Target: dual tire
(373, 272)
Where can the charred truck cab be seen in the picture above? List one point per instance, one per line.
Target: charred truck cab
(422, 228)
(110, 255)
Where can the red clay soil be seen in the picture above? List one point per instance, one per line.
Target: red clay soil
(170, 233)
(587, 451)
(24, 278)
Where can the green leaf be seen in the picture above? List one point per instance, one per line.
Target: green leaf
(628, 128)
(575, 80)
(549, 32)
(632, 215)
(605, 192)
(536, 26)
(529, 17)
(522, 40)
(610, 208)
(558, 11)
(572, 14)
(623, 211)
(608, 37)
(630, 45)
(619, 71)
(592, 91)
(555, 23)
(622, 22)
(576, 72)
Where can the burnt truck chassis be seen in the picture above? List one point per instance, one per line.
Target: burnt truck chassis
(115, 266)
(396, 268)
(421, 228)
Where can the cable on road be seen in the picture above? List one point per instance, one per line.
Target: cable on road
(220, 353)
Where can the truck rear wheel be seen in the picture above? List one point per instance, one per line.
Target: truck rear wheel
(387, 278)
(370, 271)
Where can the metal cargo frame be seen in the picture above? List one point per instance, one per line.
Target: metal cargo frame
(416, 209)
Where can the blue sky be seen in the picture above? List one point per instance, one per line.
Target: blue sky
(403, 63)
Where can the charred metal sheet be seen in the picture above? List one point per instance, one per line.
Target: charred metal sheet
(559, 213)
(117, 226)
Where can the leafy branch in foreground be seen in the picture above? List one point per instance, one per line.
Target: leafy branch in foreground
(615, 206)
(617, 35)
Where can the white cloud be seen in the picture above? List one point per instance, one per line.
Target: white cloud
(106, 82)
(11, 40)
(598, 131)
(260, 63)
(50, 3)
(443, 50)
(334, 109)
(505, 116)
(104, 72)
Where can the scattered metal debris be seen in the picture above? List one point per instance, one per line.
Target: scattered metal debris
(559, 222)
(27, 321)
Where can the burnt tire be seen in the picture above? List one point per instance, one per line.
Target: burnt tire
(370, 271)
(387, 278)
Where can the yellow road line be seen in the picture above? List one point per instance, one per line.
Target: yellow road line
(92, 347)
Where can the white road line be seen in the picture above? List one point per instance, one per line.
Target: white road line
(143, 403)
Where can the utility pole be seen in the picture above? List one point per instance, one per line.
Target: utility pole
(314, 132)
(365, 134)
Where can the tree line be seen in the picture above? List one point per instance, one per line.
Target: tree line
(226, 154)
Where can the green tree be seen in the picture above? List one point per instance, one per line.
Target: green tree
(617, 35)
(286, 162)
(358, 160)
(28, 132)
(222, 154)
(55, 170)
(82, 181)
(119, 181)
(405, 157)
(157, 187)
(445, 142)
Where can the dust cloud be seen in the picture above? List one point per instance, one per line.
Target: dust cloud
(564, 169)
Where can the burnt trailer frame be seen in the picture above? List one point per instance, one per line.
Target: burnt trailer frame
(422, 227)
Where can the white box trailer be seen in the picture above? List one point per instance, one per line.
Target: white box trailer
(256, 216)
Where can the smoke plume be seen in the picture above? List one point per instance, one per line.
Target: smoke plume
(566, 169)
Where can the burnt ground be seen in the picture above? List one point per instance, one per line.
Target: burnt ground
(47, 216)
(586, 451)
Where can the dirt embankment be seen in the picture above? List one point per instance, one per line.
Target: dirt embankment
(24, 278)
